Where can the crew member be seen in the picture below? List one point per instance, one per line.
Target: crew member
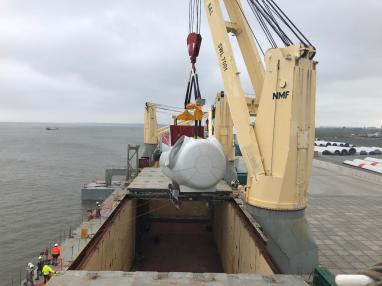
(46, 254)
(46, 272)
(40, 264)
(29, 275)
(55, 254)
(98, 210)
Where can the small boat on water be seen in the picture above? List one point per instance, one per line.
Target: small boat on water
(51, 128)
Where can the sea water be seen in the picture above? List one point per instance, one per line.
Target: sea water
(41, 175)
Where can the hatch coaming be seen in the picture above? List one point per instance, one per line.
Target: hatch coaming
(153, 235)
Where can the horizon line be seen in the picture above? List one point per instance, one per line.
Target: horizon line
(141, 123)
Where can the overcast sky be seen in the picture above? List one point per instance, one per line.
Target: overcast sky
(100, 61)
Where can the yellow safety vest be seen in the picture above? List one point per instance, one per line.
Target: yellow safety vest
(46, 270)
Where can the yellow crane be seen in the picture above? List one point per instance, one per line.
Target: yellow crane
(278, 147)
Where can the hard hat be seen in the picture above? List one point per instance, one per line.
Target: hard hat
(30, 265)
(56, 244)
(40, 257)
(97, 203)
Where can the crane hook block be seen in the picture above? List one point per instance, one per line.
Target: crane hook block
(194, 42)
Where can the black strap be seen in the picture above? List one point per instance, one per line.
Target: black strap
(197, 95)
(192, 86)
(186, 99)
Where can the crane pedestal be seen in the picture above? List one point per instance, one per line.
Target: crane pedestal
(148, 150)
(290, 241)
(230, 173)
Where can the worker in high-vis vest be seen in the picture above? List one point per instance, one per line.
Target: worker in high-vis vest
(47, 271)
(55, 254)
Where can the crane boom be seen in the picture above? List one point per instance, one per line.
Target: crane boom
(233, 87)
(240, 28)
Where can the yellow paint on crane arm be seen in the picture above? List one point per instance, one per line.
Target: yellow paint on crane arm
(150, 124)
(278, 148)
(247, 45)
(223, 126)
(235, 93)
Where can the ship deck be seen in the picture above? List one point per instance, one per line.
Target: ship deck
(117, 278)
(345, 215)
(344, 212)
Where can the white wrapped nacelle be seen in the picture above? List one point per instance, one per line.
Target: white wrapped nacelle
(196, 165)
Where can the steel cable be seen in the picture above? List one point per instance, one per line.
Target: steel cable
(285, 38)
(250, 28)
(268, 14)
(290, 21)
(262, 24)
(194, 16)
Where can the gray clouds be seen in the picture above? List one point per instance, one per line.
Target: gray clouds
(99, 61)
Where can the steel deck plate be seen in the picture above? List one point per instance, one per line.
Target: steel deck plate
(85, 278)
(151, 182)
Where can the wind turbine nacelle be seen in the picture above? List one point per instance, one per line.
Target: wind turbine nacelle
(195, 165)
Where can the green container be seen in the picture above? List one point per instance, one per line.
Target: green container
(242, 177)
(323, 277)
